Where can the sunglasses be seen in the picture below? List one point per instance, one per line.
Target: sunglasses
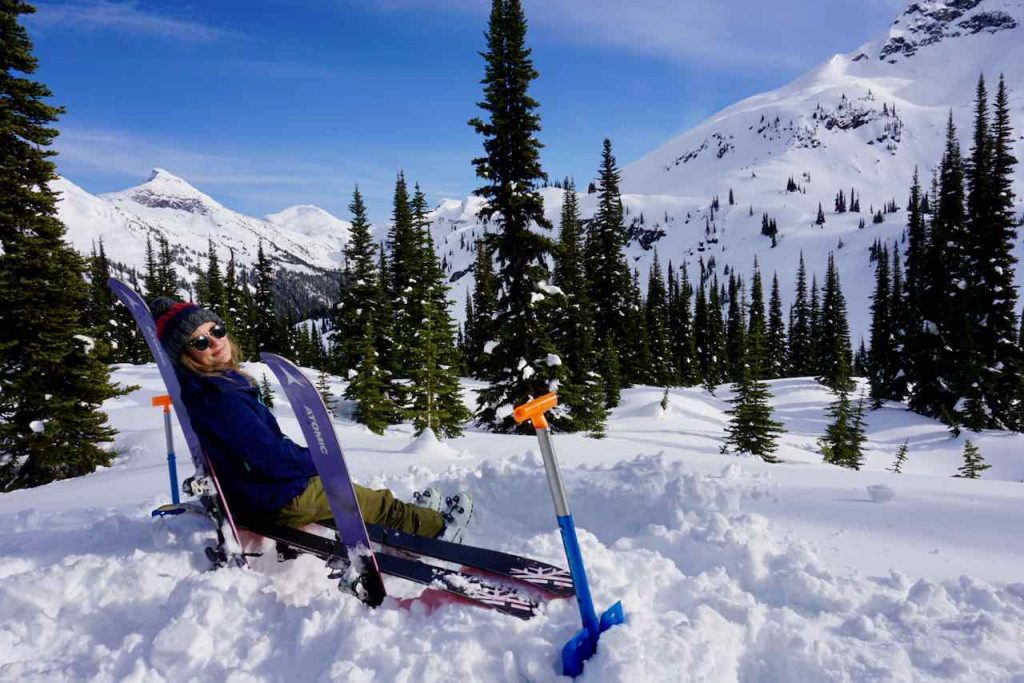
(202, 342)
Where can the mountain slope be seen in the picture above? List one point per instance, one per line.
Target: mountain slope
(301, 238)
(863, 121)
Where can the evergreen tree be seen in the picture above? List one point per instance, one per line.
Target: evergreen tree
(757, 329)
(368, 386)
(995, 262)
(820, 219)
(101, 308)
(51, 426)
(358, 297)
(266, 392)
(716, 354)
(610, 373)
(900, 314)
(582, 393)
(517, 368)
(684, 348)
(215, 293)
(814, 358)
(736, 328)
(880, 372)
(844, 437)
(405, 288)
(800, 356)
(166, 278)
(151, 280)
(608, 275)
(751, 427)
(834, 352)
(656, 311)
(934, 369)
(235, 315)
(973, 465)
(777, 352)
(323, 387)
(267, 333)
(480, 327)
(901, 458)
(435, 396)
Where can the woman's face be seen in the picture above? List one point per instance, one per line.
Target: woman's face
(216, 354)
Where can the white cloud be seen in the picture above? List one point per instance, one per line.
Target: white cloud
(787, 34)
(123, 17)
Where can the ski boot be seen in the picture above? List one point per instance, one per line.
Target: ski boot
(430, 498)
(456, 516)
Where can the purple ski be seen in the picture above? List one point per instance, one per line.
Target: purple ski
(363, 574)
(230, 547)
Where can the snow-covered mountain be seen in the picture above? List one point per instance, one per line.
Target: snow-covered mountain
(301, 238)
(862, 120)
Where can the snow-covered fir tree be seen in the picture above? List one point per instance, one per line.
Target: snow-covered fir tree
(582, 393)
(519, 366)
(51, 425)
(434, 398)
(844, 437)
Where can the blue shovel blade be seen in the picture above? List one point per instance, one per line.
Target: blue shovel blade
(583, 645)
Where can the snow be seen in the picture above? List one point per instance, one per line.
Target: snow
(728, 568)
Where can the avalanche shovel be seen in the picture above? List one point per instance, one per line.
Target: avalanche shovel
(584, 644)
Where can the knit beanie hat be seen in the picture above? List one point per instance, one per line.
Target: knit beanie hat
(176, 321)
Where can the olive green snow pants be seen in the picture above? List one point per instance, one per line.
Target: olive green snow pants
(378, 507)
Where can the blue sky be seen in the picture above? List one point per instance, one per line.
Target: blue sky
(264, 104)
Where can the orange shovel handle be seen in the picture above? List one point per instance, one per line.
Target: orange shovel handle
(535, 409)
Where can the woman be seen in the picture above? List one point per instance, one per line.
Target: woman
(261, 471)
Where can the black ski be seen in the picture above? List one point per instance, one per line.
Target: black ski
(457, 585)
(554, 581)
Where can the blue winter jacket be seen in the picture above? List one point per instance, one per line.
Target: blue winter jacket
(259, 468)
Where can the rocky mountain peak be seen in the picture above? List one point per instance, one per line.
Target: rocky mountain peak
(164, 190)
(928, 23)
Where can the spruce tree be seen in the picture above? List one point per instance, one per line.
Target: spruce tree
(101, 309)
(777, 351)
(357, 301)
(934, 369)
(973, 465)
(266, 392)
(368, 386)
(751, 428)
(716, 354)
(684, 347)
(323, 387)
(844, 437)
(435, 396)
(582, 393)
(756, 357)
(405, 287)
(608, 275)
(880, 373)
(518, 368)
(215, 292)
(834, 352)
(814, 324)
(660, 371)
(1000, 356)
(235, 315)
(480, 324)
(152, 278)
(736, 328)
(51, 425)
(166, 277)
(800, 355)
(900, 314)
(267, 332)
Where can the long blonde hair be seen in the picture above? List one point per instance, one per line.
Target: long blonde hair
(186, 361)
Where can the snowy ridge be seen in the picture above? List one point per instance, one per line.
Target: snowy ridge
(298, 238)
(729, 569)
